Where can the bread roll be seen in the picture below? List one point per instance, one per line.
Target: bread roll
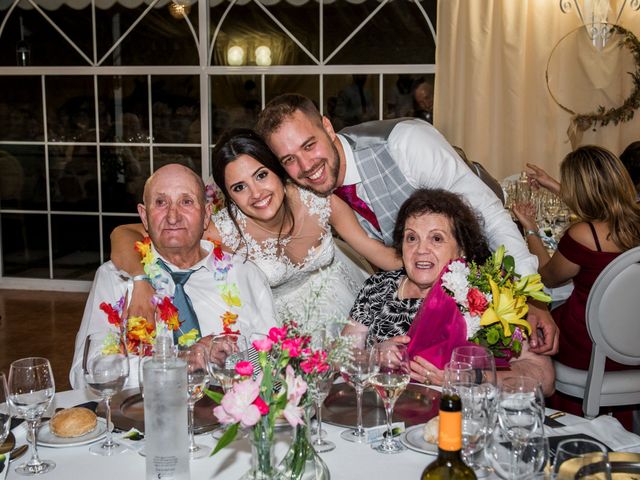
(430, 432)
(73, 422)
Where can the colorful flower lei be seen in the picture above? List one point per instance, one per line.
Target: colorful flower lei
(493, 301)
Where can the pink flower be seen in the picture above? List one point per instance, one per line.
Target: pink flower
(263, 345)
(294, 346)
(296, 388)
(244, 368)
(278, 334)
(263, 408)
(477, 302)
(316, 362)
(238, 404)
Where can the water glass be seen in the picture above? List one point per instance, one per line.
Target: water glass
(321, 384)
(481, 361)
(197, 379)
(225, 352)
(105, 366)
(581, 458)
(531, 456)
(31, 390)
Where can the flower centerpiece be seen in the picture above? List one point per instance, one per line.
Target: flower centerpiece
(493, 301)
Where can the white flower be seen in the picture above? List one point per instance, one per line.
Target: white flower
(456, 281)
(473, 324)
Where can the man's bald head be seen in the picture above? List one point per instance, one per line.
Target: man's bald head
(172, 169)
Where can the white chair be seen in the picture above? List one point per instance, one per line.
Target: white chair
(613, 321)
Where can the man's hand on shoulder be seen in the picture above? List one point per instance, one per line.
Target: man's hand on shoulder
(544, 331)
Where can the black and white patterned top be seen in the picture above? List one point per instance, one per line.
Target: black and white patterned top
(377, 306)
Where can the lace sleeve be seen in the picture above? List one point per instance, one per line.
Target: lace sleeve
(319, 206)
(228, 231)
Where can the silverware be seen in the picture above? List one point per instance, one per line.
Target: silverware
(17, 452)
(553, 416)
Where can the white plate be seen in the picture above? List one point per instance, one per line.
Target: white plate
(48, 439)
(412, 438)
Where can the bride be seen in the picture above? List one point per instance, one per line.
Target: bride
(282, 228)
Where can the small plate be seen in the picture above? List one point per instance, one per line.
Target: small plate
(48, 439)
(412, 438)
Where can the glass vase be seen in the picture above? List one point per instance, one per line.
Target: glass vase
(262, 456)
(302, 462)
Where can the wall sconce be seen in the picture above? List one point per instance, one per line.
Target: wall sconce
(235, 56)
(594, 14)
(263, 56)
(179, 10)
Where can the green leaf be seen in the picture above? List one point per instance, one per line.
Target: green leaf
(226, 438)
(213, 395)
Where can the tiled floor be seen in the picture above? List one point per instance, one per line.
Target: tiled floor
(37, 323)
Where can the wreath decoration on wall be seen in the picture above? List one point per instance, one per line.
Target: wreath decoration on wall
(602, 115)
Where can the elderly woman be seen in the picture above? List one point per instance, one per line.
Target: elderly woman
(433, 227)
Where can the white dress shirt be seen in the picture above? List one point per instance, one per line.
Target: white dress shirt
(255, 315)
(428, 161)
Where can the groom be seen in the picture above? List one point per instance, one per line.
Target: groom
(375, 166)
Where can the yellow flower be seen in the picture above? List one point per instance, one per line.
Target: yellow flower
(505, 308)
(229, 318)
(231, 295)
(189, 338)
(531, 286)
(139, 329)
(498, 256)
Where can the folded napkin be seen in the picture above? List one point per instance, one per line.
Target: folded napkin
(606, 429)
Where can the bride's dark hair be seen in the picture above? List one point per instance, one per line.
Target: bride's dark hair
(243, 141)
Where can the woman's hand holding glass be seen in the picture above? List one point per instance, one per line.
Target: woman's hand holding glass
(196, 358)
(31, 389)
(105, 366)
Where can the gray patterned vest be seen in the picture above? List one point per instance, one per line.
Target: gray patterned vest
(386, 186)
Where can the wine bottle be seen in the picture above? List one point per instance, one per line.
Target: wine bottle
(449, 464)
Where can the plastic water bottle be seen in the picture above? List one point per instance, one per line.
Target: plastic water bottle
(165, 414)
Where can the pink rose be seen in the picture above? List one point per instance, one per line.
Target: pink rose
(477, 302)
(244, 368)
(263, 345)
(294, 346)
(278, 334)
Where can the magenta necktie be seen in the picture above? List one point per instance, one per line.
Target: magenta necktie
(348, 194)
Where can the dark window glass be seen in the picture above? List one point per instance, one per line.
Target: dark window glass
(400, 94)
(74, 178)
(76, 246)
(21, 108)
(176, 109)
(22, 177)
(235, 102)
(351, 99)
(124, 110)
(25, 251)
(123, 173)
(307, 85)
(188, 156)
(71, 109)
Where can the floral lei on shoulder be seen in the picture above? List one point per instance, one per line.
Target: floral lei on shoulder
(141, 333)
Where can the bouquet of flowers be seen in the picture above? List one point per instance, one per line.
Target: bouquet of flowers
(493, 301)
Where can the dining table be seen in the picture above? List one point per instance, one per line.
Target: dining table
(348, 460)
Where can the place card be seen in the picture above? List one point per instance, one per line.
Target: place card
(377, 433)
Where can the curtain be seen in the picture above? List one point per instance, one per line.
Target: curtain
(491, 96)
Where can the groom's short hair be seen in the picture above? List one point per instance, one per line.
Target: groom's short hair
(281, 108)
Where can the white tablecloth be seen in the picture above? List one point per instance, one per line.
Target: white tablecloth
(348, 461)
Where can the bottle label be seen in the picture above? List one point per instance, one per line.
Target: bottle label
(450, 431)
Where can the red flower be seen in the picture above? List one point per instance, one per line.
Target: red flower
(263, 408)
(477, 302)
(112, 314)
(217, 251)
(315, 363)
(294, 346)
(244, 368)
(278, 334)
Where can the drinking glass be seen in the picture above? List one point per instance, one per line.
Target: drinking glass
(356, 371)
(481, 361)
(578, 458)
(456, 372)
(197, 380)
(532, 458)
(224, 353)
(520, 412)
(389, 381)
(320, 387)
(31, 390)
(105, 366)
(5, 411)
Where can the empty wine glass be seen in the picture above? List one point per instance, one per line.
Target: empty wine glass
(456, 372)
(322, 383)
(481, 360)
(5, 411)
(105, 366)
(532, 458)
(356, 371)
(31, 390)
(225, 352)
(389, 381)
(577, 458)
(197, 380)
(520, 412)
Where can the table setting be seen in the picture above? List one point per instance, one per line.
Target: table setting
(501, 426)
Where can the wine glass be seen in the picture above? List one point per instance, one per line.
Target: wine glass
(5, 411)
(390, 380)
(356, 371)
(197, 380)
(481, 361)
(31, 390)
(105, 366)
(532, 460)
(520, 412)
(225, 352)
(322, 383)
(577, 458)
(456, 372)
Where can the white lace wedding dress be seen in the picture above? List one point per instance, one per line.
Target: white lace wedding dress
(296, 264)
